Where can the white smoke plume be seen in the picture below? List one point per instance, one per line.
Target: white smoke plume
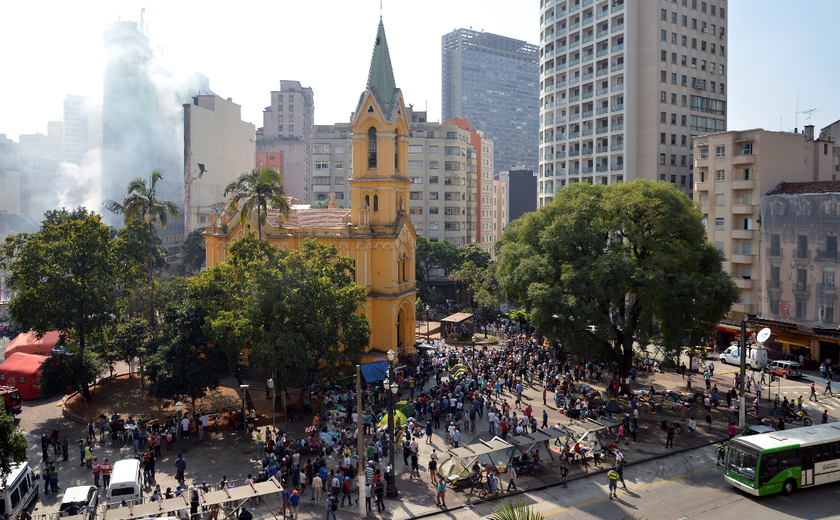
(80, 185)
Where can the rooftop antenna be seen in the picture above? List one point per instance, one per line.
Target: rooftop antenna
(380, 8)
(142, 13)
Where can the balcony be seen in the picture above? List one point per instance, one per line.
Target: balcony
(601, 15)
(617, 147)
(574, 44)
(574, 81)
(574, 117)
(701, 186)
(588, 94)
(561, 66)
(744, 234)
(742, 259)
(586, 151)
(602, 52)
(618, 27)
(616, 108)
(561, 119)
(574, 171)
(549, 174)
(588, 57)
(602, 130)
(561, 84)
(618, 8)
(743, 185)
(602, 149)
(574, 153)
(616, 128)
(561, 171)
(561, 137)
(773, 285)
(617, 48)
(548, 157)
(601, 110)
(587, 113)
(601, 72)
(586, 169)
(574, 62)
(572, 99)
(561, 31)
(587, 132)
(743, 159)
(617, 67)
(775, 252)
(801, 254)
(601, 34)
(589, 20)
(617, 87)
(562, 48)
(587, 39)
(601, 168)
(574, 8)
(745, 308)
(743, 209)
(586, 2)
(549, 54)
(587, 76)
(617, 166)
(742, 283)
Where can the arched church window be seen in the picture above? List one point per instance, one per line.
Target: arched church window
(372, 147)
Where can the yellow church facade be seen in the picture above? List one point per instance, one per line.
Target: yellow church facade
(375, 231)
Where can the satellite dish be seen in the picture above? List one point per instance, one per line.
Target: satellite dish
(763, 335)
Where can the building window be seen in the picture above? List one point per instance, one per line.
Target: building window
(415, 165)
(433, 211)
(720, 199)
(433, 180)
(662, 159)
(433, 165)
(372, 148)
(321, 149)
(416, 211)
(339, 165)
(801, 309)
(663, 35)
(662, 138)
(827, 312)
(720, 175)
(828, 277)
(415, 148)
(320, 181)
(433, 226)
(416, 180)
(415, 195)
(338, 181)
(673, 160)
(719, 223)
(720, 151)
(322, 165)
(433, 195)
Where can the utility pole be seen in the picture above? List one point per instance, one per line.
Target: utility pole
(742, 416)
(360, 475)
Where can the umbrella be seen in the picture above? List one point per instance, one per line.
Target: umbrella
(399, 418)
(457, 370)
(406, 408)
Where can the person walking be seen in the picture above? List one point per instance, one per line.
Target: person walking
(415, 466)
(441, 493)
(721, 454)
(105, 468)
(511, 475)
(692, 425)
(828, 388)
(368, 496)
(95, 467)
(433, 466)
(612, 479)
(317, 483)
(332, 506)
(294, 502)
(813, 396)
(709, 419)
(379, 491)
(180, 466)
(669, 439)
(564, 473)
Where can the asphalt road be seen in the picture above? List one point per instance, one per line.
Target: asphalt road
(686, 485)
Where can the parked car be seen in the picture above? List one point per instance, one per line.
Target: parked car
(785, 369)
(80, 500)
(755, 430)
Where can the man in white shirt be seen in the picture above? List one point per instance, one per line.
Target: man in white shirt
(456, 437)
(492, 418)
(185, 427)
(413, 446)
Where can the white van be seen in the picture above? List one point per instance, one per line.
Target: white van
(756, 357)
(126, 483)
(19, 489)
(80, 500)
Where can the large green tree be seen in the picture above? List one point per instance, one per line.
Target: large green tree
(255, 192)
(65, 278)
(12, 444)
(193, 252)
(602, 267)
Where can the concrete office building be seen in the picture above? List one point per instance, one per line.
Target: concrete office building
(734, 170)
(522, 192)
(82, 127)
(287, 128)
(492, 81)
(625, 86)
(218, 146)
(446, 163)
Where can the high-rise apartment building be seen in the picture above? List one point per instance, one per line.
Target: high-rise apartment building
(734, 170)
(82, 127)
(492, 81)
(218, 147)
(451, 197)
(287, 128)
(624, 87)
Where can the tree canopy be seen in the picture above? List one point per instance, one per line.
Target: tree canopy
(257, 191)
(603, 266)
(12, 444)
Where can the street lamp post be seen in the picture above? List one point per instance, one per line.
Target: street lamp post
(178, 407)
(473, 349)
(244, 411)
(270, 385)
(391, 388)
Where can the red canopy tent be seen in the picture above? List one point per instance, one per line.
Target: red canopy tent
(28, 343)
(21, 371)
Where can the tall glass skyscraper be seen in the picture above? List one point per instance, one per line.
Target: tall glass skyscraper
(494, 82)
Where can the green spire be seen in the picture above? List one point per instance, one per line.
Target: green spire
(381, 76)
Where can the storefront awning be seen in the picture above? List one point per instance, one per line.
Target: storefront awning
(792, 339)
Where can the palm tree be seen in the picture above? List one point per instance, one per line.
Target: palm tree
(258, 190)
(142, 202)
(518, 510)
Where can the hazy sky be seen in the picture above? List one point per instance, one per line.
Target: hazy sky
(54, 48)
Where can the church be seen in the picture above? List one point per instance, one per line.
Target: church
(375, 231)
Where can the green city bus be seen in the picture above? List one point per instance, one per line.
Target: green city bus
(781, 462)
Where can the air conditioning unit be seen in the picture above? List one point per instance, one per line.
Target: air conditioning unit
(704, 29)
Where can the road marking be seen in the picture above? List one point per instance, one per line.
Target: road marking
(630, 490)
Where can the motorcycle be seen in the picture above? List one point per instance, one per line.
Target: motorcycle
(801, 416)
